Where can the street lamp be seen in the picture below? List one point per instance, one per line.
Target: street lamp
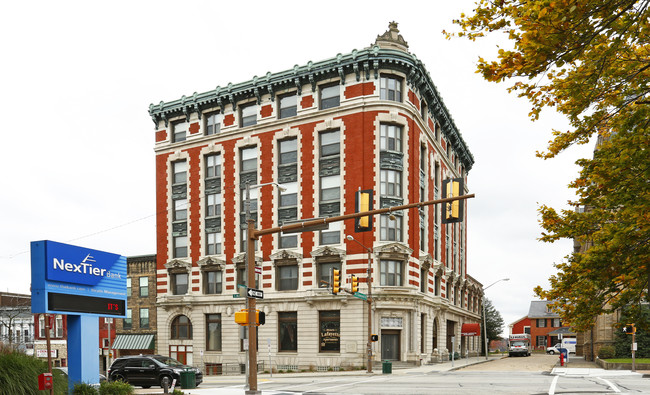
(250, 283)
(369, 300)
(485, 316)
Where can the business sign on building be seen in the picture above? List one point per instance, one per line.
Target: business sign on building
(68, 279)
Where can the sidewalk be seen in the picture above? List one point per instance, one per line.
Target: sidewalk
(577, 366)
(237, 381)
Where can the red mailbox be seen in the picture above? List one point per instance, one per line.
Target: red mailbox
(45, 381)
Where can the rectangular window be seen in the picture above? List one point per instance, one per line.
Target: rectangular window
(213, 332)
(128, 321)
(423, 280)
(144, 286)
(288, 331)
(541, 322)
(324, 272)
(213, 123)
(541, 341)
(391, 273)
(180, 172)
(390, 229)
(213, 200)
(556, 323)
(390, 183)
(390, 138)
(144, 318)
(179, 283)
(242, 276)
(128, 287)
(330, 96)
(436, 285)
(213, 281)
(248, 115)
(330, 184)
(179, 209)
(179, 131)
(288, 105)
(180, 246)
(288, 177)
(287, 278)
(247, 175)
(390, 88)
(330, 330)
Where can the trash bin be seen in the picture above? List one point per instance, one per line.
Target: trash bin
(188, 379)
(387, 367)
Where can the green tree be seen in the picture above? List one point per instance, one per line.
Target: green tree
(640, 316)
(493, 321)
(589, 60)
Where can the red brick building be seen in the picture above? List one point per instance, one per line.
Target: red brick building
(542, 322)
(371, 119)
(522, 325)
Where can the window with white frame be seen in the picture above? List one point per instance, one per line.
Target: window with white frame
(212, 281)
(325, 272)
(288, 105)
(390, 229)
(287, 275)
(390, 88)
(127, 323)
(330, 96)
(330, 184)
(179, 208)
(247, 175)
(391, 272)
(213, 200)
(390, 137)
(248, 115)
(179, 283)
(144, 318)
(144, 286)
(288, 179)
(179, 131)
(213, 123)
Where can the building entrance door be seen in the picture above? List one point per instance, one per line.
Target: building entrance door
(390, 340)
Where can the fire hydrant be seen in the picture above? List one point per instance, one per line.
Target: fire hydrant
(561, 359)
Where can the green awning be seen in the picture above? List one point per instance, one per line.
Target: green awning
(134, 342)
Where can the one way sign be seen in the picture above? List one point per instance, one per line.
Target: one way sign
(255, 293)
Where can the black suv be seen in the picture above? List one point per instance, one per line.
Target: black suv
(148, 370)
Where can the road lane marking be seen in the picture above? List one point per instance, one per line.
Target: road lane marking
(551, 391)
(610, 384)
(343, 385)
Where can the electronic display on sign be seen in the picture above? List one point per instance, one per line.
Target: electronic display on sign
(68, 279)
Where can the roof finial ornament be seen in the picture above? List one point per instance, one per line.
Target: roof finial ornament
(392, 39)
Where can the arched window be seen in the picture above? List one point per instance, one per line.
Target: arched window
(181, 328)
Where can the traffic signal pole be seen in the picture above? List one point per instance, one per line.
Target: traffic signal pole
(253, 234)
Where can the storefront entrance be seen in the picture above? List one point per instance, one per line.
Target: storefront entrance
(390, 341)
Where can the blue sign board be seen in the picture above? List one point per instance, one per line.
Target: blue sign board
(68, 279)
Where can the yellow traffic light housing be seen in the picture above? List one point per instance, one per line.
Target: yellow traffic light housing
(363, 202)
(354, 280)
(452, 211)
(629, 329)
(241, 317)
(336, 281)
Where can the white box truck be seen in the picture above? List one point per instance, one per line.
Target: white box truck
(569, 343)
(519, 344)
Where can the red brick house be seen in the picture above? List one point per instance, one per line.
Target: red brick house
(522, 325)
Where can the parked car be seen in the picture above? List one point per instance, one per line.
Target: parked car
(554, 349)
(568, 343)
(148, 370)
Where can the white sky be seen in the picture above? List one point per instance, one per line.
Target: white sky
(77, 78)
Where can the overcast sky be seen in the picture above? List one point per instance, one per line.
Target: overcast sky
(77, 78)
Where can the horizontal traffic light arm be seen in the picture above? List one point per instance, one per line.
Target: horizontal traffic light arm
(313, 222)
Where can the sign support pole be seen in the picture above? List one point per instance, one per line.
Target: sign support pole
(46, 321)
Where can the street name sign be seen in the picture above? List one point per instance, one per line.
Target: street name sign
(360, 296)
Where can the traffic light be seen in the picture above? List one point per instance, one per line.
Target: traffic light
(452, 211)
(374, 338)
(336, 281)
(363, 202)
(241, 317)
(354, 280)
(629, 329)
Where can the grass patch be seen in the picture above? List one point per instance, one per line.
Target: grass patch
(627, 360)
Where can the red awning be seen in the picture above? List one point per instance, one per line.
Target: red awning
(471, 330)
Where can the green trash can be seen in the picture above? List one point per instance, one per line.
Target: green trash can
(188, 379)
(387, 367)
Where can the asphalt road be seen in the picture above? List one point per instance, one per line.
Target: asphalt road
(520, 375)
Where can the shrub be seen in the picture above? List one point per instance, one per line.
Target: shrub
(84, 389)
(115, 388)
(19, 374)
(606, 352)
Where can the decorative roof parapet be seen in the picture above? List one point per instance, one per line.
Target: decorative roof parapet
(368, 59)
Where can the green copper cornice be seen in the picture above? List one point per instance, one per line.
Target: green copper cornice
(366, 62)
